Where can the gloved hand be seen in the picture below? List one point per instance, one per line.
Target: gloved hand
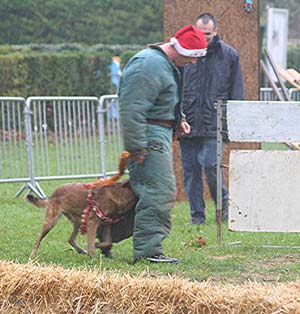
(139, 155)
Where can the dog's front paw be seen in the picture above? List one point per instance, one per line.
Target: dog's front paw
(107, 253)
(81, 251)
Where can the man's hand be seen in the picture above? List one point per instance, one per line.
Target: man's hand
(185, 127)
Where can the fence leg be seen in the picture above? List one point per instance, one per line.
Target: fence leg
(100, 113)
(33, 187)
(20, 191)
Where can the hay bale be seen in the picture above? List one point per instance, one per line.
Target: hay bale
(33, 289)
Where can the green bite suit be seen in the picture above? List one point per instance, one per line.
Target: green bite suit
(149, 89)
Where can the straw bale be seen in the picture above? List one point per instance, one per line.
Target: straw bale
(33, 289)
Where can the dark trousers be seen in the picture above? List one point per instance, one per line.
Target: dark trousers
(199, 154)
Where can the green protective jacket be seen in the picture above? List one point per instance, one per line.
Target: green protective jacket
(149, 88)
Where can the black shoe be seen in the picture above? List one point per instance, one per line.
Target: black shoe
(160, 258)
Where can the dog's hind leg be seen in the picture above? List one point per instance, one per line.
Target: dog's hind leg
(91, 235)
(107, 238)
(73, 242)
(48, 225)
(106, 244)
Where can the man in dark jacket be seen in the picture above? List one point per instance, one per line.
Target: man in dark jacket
(148, 96)
(216, 76)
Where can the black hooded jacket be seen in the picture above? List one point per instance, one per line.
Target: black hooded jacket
(216, 76)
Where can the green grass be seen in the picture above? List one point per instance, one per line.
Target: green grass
(274, 146)
(241, 256)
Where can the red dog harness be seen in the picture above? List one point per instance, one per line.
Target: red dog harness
(99, 213)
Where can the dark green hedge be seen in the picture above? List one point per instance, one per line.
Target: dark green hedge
(41, 72)
(294, 57)
(77, 71)
(61, 74)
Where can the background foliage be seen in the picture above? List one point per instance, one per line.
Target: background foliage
(99, 21)
(82, 21)
(64, 47)
(71, 70)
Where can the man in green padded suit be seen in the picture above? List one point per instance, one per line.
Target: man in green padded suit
(149, 98)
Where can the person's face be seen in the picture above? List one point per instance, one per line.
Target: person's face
(208, 29)
(181, 61)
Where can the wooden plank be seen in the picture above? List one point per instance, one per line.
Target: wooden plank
(294, 146)
(288, 77)
(263, 189)
(275, 69)
(295, 74)
(270, 80)
(263, 121)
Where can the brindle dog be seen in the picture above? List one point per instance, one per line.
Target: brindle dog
(73, 199)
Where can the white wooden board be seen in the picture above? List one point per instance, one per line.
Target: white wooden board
(264, 191)
(254, 121)
(277, 37)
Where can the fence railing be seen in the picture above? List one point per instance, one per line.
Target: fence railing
(295, 94)
(268, 94)
(13, 150)
(48, 138)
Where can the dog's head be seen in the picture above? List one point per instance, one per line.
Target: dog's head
(115, 199)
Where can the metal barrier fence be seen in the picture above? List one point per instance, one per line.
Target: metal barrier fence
(52, 138)
(48, 138)
(295, 94)
(268, 94)
(13, 150)
(112, 142)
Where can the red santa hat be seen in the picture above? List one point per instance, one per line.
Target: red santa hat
(189, 41)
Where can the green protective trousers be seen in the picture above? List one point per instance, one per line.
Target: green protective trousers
(154, 183)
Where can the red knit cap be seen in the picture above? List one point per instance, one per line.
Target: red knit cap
(189, 41)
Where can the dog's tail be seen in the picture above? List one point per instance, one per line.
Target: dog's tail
(38, 202)
(122, 166)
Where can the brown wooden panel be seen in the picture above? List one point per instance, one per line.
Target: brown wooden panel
(236, 27)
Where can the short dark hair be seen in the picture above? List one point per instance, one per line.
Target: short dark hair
(206, 17)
